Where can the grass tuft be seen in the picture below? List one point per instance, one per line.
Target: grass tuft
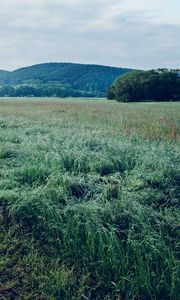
(89, 200)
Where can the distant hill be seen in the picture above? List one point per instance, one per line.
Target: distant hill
(93, 79)
(4, 72)
(3, 75)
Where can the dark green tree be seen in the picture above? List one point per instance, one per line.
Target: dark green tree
(7, 91)
(111, 93)
(153, 85)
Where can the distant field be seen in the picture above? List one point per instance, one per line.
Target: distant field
(151, 120)
(89, 199)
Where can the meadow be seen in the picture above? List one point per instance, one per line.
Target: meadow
(89, 199)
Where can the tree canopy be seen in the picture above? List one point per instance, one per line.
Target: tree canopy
(153, 85)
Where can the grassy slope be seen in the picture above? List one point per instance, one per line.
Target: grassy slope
(89, 195)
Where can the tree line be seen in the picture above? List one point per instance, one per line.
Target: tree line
(152, 85)
(46, 90)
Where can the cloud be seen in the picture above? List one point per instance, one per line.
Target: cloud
(129, 33)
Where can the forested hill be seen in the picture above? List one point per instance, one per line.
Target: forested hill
(93, 79)
(3, 75)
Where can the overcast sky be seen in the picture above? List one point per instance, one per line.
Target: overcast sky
(126, 33)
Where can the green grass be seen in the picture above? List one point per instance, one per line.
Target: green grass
(89, 200)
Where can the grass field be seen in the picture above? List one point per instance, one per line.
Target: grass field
(89, 200)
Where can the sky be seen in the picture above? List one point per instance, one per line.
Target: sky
(142, 34)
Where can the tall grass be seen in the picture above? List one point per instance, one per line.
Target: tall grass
(89, 210)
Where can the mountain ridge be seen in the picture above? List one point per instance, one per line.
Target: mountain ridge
(63, 63)
(91, 78)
